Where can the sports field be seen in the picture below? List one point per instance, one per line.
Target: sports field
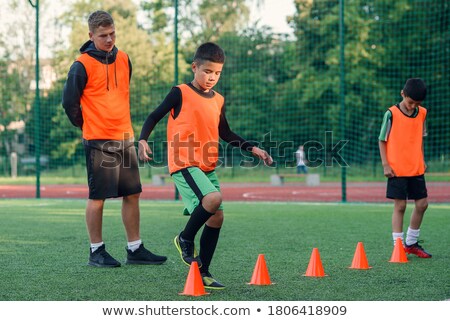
(44, 251)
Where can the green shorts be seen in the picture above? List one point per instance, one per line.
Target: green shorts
(193, 184)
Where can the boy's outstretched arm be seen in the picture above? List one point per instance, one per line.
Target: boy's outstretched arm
(233, 139)
(172, 101)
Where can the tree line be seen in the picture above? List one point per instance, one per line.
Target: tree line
(284, 86)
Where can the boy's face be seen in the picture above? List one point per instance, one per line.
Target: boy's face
(103, 38)
(409, 103)
(206, 74)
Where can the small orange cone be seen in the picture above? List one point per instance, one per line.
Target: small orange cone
(398, 254)
(260, 273)
(359, 259)
(315, 268)
(194, 284)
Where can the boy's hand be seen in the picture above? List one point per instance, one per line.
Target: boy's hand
(144, 151)
(262, 154)
(388, 172)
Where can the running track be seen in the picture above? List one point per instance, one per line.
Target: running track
(438, 192)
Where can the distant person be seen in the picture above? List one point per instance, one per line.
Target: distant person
(401, 150)
(300, 157)
(96, 99)
(196, 121)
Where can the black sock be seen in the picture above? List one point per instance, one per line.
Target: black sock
(198, 217)
(208, 242)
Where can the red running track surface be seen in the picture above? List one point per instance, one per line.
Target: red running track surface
(438, 192)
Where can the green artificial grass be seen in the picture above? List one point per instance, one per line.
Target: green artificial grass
(44, 251)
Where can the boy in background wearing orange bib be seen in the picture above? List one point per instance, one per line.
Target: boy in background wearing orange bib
(402, 156)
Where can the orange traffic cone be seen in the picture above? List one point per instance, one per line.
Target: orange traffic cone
(398, 254)
(315, 268)
(359, 259)
(194, 284)
(260, 273)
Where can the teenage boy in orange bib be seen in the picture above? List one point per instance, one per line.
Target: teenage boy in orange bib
(196, 121)
(96, 98)
(402, 156)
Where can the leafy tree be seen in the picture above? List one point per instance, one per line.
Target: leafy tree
(415, 39)
(12, 108)
(199, 20)
(381, 52)
(286, 86)
(316, 26)
(17, 70)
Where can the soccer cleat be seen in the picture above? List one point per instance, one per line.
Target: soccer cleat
(210, 283)
(144, 256)
(417, 250)
(101, 258)
(187, 251)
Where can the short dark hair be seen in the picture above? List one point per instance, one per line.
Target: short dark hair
(209, 51)
(415, 89)
(99, 18)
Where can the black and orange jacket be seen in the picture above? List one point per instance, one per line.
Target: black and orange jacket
(195, 123)
(404, 150)
(96, 94)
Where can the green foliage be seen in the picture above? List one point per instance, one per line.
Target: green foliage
(286, 88)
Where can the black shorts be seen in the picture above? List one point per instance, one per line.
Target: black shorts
(112, 169)
(403, 188)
